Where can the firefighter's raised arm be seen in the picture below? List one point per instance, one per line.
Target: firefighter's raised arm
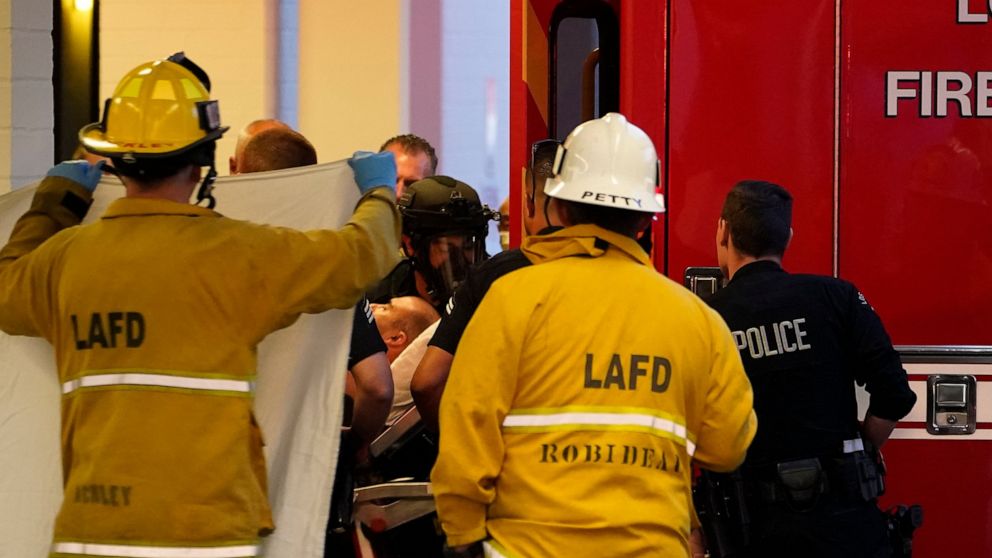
(61, 201)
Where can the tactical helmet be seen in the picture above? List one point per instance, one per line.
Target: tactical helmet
(159, 117)
(608, 162)
(447, 225)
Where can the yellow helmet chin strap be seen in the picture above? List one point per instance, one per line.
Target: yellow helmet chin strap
(206, 156)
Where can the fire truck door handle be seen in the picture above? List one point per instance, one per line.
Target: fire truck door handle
(951, 405)
(703, 281)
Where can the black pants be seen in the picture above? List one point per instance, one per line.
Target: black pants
(828, 530)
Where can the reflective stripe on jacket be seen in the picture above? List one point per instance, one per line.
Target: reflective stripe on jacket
(581, 391)
(155, 312)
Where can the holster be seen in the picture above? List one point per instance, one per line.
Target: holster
(902, 521)
(722, 511)
(800, 483)
(860, 476)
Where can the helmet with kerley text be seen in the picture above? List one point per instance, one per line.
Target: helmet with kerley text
(159, 118)
(608, 162)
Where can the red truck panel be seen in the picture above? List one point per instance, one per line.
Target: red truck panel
(643, 48)
(749, 100)
(751, 96)
(951, 479)
(916, 220)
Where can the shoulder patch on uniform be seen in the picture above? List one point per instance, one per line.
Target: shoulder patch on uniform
(864, 301)
(368, 310)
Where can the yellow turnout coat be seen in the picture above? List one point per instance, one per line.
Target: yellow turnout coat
(154, 312)
(582, 390)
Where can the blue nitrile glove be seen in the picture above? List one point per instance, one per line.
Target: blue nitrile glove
(373, 170)
(80, 172)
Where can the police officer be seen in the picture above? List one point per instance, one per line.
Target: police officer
(430, 377)
(805, 340)
(415, 159)
(584, 384)
(155, 312)
(444, 233)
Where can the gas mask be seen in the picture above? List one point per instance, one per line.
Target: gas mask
(444, 261)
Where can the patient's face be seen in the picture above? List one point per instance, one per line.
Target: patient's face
(401, 320)
(386, 316)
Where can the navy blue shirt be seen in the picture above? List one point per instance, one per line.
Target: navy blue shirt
(365, 338)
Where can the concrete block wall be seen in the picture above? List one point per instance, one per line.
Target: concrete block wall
(26, 100)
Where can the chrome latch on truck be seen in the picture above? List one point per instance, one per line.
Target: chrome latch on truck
(703, 281)
(951, 404)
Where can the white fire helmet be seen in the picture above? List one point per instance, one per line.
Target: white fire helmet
(608, 162)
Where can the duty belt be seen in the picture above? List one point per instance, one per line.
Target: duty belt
(852, 477)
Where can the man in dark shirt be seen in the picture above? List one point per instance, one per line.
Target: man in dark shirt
(415, 159)
(371, 390)
(444, 233)
(431, 375)
(805, 340)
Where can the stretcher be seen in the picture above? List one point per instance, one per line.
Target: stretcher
(398, 516)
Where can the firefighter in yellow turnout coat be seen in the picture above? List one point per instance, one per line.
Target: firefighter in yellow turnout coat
(586, 384)
(155, 312)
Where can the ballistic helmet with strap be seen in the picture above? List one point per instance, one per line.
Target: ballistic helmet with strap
(608, 162)
(447, 225)
(159, 118)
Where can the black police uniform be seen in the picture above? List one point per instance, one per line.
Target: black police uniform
(805, 340)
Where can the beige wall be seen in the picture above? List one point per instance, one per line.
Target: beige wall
(231, 39)
(349, 88)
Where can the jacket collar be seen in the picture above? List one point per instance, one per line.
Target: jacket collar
(138, 207)
(581, 240)
(757, 267)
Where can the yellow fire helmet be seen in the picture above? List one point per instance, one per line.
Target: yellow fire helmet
(160, 111)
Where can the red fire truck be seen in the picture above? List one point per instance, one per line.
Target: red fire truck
(876, 115)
